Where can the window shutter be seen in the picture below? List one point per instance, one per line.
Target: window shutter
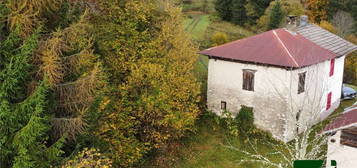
(332, 67)
(329, 97)
(248, 80)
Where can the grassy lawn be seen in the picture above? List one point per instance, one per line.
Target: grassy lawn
(196, 25)
(208, 148)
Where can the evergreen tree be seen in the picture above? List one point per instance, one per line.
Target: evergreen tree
(255, 9)
(23, 119)
(224, 9)
(239, 12)
(276, 16)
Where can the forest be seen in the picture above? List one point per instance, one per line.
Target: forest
(111, 83)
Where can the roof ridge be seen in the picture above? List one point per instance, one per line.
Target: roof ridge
(285, 48)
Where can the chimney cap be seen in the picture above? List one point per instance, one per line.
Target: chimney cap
(304, 20)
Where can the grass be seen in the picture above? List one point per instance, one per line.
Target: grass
(208, 147)
(196, 25)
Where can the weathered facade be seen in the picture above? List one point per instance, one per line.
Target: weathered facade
(275, 99)
(291, 81)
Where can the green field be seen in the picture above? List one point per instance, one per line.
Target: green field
(196, 25)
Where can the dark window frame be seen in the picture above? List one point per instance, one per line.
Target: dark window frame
(248, 79)
(223, 105)
(302, 82)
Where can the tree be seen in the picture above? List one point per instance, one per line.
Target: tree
(153, 96)
(288, 8)
(317, 10)
(224, 9)
(276, 16)
(343, 22)
(350, 74)
(239, 13)
(328, 26)
(24, 121)
(255, 9)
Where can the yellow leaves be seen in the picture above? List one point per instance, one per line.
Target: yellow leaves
(219, 38)
(26, 13)
(352, 38)
(89, 158)
(317, 10)
(328, 26)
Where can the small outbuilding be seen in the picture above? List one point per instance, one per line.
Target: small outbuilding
(342, 139)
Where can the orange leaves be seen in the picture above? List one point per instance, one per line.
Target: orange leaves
(317, 9)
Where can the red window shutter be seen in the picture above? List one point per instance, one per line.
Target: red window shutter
(328, 105)
(332, 67)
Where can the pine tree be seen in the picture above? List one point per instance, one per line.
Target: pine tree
(239, 13)
(255, 9)
(224, 9)
(276, 16)
(23, 119)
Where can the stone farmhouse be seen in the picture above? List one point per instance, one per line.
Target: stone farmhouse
(291, 77)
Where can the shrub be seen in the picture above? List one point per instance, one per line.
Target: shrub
(89, 158)
(219, 38)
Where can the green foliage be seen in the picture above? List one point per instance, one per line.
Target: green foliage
(89, 158)
(155, 94)
(255, 9)
(55, 93)
(241, 11)
(287, 8)
(224, 9)
(276, 16)
(245, 120)
(238, 12)
(219, 38)
(24, 121)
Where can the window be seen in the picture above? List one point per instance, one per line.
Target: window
(301, 87)
(248, 80)
(297, 121)
(328, 104)
(223, 105)
(332, 67)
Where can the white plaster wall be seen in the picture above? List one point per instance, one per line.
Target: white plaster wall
(268, 99)
(313, 101)
(275, 99)
(345, 156)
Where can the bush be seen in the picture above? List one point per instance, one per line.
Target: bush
(89, 158)
(219, 38)
(245, 119)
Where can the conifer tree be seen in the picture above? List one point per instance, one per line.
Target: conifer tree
(276, 16)
(239, 13)
(224, 9)
(23, 119)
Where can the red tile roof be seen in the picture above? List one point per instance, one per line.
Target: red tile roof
(347, 119)
(276, 47)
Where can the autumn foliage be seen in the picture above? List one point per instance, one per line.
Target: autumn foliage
(113, 75)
